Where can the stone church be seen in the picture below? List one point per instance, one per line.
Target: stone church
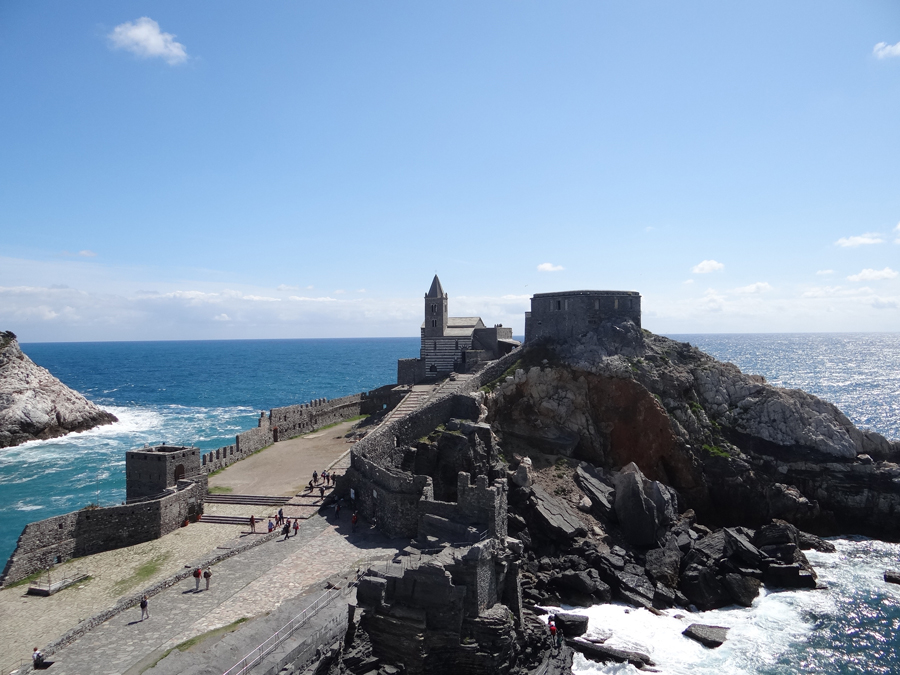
(451, 344)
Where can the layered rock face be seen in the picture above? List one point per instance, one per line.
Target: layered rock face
(738, 450)
(34, 404)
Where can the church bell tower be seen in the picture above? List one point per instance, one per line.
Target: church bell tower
(436, 310)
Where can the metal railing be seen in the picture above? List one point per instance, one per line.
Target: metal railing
(255, 657)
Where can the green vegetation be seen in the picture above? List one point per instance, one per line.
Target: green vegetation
(187, 644)
(334, 424)
(216, 472)
(220, 490)
(143, 573)
(696, 408)
(90, 506)
(493, 384)
(26, 580)
(716, 451)
(560, 491)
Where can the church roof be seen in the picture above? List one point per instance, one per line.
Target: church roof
(436, 290)
(461, 326)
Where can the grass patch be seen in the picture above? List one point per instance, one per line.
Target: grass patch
(493, 384)
(26, 580)
(334, 424)
(216, 472)
(716, 451)
(143, 573)
(220, 490)
(696, 408)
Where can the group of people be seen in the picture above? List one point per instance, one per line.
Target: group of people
(327, 478)
(556, 636)
(198, 573)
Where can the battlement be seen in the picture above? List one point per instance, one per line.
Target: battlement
(154, 469)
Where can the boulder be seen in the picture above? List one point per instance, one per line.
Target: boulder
(892, 576)
(586, 582)
(743, 590)
(793, 575)
(810, 541)
(571, 625)
(709, 636)
(664, 564)
(739, 547)
(594, 485)
(603, 652)
(635, 510)
(702, 588)
(523, 477)
(557, 521)
(584, 505)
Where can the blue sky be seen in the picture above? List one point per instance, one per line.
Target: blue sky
(174, 170)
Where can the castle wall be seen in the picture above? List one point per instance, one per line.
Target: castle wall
(391, 496)
(149, 471)
(561, 316)
(54, 540)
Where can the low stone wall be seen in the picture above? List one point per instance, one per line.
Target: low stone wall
(55, 540)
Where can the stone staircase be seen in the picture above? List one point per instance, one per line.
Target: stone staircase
(251, 500)
(415, 399)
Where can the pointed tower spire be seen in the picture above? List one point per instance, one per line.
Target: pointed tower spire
(436, 290)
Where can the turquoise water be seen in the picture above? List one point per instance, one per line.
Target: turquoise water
(197, 392)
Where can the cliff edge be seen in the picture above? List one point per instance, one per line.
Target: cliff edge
(737, 449)
(36, 405)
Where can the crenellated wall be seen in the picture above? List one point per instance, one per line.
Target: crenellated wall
(54, 540)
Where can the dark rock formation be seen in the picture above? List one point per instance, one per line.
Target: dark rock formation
(892, 576)
(34, 404)
(709, 636)
(571, 625)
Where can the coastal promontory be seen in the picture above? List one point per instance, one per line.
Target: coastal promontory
(36, 405)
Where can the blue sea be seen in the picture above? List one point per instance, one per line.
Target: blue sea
(205, 392)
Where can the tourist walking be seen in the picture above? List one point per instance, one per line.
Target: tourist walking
(280, 515)
(207, 573)
(253, 523)
(296, 526)
(37, 658)
(197, 574)
(286, 531)
(552, 625)
(315, 477)
(271, 526)
(145, 608)
(353, 521)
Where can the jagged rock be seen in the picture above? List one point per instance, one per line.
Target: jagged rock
(738, 546)
(892, 576)
(593, 484)
(793, 575)
(663, 565)
(709, 636)
(742, 589)
(587, 582)
(584, 505)
(554, 517)
(34, 404)
(571, 625)
(370, 591)
(635, 510)
(603, 652)
(702, 588)
(523, 477)
(809, 541)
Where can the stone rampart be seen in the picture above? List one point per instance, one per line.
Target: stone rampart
(390, 496)
(92, 530)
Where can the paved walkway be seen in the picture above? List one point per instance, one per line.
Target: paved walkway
(247, 585)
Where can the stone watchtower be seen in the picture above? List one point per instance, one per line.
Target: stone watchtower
(153, 470)
(437, 311)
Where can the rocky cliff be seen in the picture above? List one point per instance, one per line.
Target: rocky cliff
(737, 450)
(34, 404)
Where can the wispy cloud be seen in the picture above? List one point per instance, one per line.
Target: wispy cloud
(860, 240)
(221, 317)
(707, 266)
(873, 275)
(897, 230)
(550, 267)
(823, 273)
(87, 254)
(885, 303)
(143, 38)
(758, 287)
(883, 50)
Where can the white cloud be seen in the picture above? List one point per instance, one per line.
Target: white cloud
(143, 38)
(361, 290)
(550, 267)
(873, 275)
(340, 292)
(707, 266)
(758, 287)
(824, 272)
(897, 230)
(860, 240)
(221, 317)
(885, 303)
(687, 281)
(87, 254)
(883, 50)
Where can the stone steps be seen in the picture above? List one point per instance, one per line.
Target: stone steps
(252, 500)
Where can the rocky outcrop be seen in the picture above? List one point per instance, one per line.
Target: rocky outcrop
(735, 449)
(36, 405)
(708, 636)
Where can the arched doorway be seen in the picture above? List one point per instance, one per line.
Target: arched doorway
(179, 472)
